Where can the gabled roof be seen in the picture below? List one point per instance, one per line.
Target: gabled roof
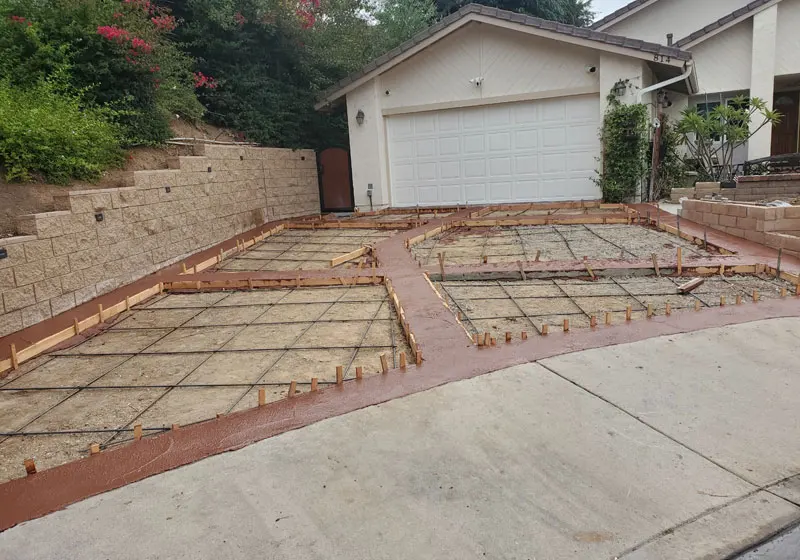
(623, 11)
(726, 21)
(482, 13)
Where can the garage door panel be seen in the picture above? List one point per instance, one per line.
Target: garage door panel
(526, 190)
(475, 194)
(451, 194)
(474, 168)
(526, 165)
(526, 139)
(499, 141)
(450, 145)
(450, 170)
(499, 167)
(501, 192)
(528, 151)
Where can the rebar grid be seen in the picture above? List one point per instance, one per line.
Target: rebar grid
(461, 302)
(293, 238)
(519, 237)
(166, 388)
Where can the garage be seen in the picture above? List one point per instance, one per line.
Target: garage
(493, 107)
(544, 150)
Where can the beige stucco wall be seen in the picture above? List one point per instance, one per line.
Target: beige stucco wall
(679, 17)
(67, 257)
(514, 66)
(509, 62)
(787, 60)
(724, 62)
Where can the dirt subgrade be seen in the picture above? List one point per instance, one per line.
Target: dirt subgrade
(552, 243)
(183, 358)
(19, 199)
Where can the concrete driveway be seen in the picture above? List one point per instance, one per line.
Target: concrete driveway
(683, 446)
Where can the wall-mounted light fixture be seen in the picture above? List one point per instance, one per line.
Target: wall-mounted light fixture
(360, 117)
(620, 88)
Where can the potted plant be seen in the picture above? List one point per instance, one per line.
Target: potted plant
(712, 137)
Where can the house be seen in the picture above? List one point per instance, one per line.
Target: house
(739, 47)
(490, 106)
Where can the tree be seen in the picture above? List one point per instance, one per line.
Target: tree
(572, 12)
(712, 138)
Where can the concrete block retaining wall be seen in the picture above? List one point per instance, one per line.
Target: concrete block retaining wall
(775, 227)
(67, 257)
(748, 189)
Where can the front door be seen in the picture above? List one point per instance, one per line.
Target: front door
(335, 180)
(784, 134)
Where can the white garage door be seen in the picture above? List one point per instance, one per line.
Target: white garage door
(514, 152)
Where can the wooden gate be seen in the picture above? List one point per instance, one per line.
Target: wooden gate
(335, 180)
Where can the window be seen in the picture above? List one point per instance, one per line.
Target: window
(705, 108)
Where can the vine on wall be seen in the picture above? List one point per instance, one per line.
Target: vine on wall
(624, 137)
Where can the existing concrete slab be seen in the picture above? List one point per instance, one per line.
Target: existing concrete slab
(516, 464)
(731, 394)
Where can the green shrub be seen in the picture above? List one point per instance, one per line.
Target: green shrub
(119, 53)
(47, 132)
(625, 141)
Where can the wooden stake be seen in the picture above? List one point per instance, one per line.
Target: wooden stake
(628, 311)
(524, 335)
(441, 265)
(680, 261)
(655, 265)
(589, 270)
(521, 270)
(755, 295)
(649, 310)
(314, 383)
(697, 305)
(485, 259)
(476, 339)
(384, 364)
(339, 375)
(545, 330)
(250, 283)
(402, 360)
(797, 290)
(183, 267)
(175, 427)
(30, 466)
(487, 339)
(100, 311)
(14, 358)
(359, 372)
(538, 254)
(608, 318)
(127, 303)
(783, 292)
(722, 301)
(292, 389)
(94, 449)
(508, 337)
(738, 299)
(419, 356)
(76, 326)
(566, 325)
(593, 321)
(137, 432)
(668, 309)
(262, 396)
(493, 341)
(374, 279)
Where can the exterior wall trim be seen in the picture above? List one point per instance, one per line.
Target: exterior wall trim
(728, 25)
(479, 102)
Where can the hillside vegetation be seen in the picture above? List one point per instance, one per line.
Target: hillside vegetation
(81, 81)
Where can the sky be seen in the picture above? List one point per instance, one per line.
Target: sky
(605, 7)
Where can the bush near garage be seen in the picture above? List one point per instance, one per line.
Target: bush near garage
(624, 138)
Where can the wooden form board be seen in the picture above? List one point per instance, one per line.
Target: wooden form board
(444, 302)
(545, 220)
(428, 234)
(255, 283)
(401, 314)
(216, 259)
(57, 338)
(350, 256)
(365, 224)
